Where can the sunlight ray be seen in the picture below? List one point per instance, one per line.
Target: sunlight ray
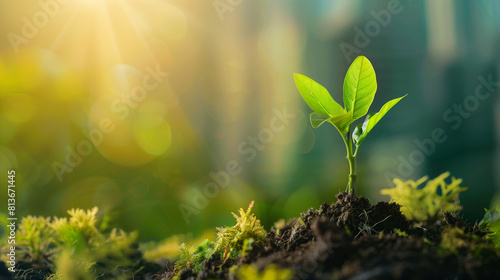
(65, 28)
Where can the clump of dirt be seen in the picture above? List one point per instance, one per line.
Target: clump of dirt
(455, 221)
(351, 213)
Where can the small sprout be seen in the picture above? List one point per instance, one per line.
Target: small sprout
(491, 221)
(301, 222)
(360, 85)
(426, 204)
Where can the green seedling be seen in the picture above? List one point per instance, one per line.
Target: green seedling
(360, 85)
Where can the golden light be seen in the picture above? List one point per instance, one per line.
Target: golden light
(96, 34)
(99, 50)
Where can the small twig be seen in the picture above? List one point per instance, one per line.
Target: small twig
(225, 254)
(382, 221)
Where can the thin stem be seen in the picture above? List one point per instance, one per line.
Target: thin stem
(351, 187)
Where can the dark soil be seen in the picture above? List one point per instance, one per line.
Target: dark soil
(353, 239)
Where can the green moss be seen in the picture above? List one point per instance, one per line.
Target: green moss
(193, 258)
(229, 242)
(229, 239)
(79, 231)
(457, 241)
(69, 266)
(73, 247)
(454, 239)
(167, 249)
(36, 237)
(427, 203)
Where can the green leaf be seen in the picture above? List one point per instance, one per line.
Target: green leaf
(491, 216)
(371, 120)
(317, 97)
(318, 119)
(342, 122)
(358, 131)
(360, 85)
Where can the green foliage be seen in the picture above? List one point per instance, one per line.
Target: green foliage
(247, 246)
(193, 258)
(184, 258)
(119, 248)
(232, 238)
(79, 231)
(360, 85)
(317, 97)
(491, 217)
(456, 241)
(72, 267)
(167, 249)
(34, 235)
(79, 234)
(229, 242)
(491, 221)
(74, 247)
(426, 204)
(371, 120)
(272, 272)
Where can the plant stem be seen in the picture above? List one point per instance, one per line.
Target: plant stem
(351, 157)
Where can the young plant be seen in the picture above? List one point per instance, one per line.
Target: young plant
(360, 85)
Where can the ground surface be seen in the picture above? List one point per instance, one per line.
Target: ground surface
(350, 239)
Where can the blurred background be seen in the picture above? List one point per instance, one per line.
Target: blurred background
(130, 105)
